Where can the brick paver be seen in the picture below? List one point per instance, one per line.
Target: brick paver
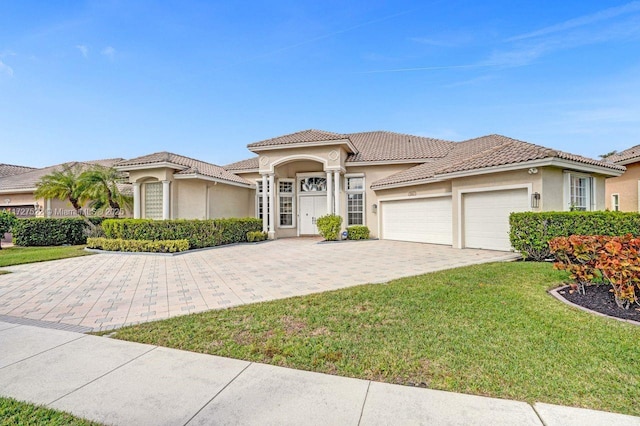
(107, 291)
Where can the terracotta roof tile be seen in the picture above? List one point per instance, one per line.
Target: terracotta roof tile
(29, 180)
(626, 156)
(248, 164)
(310, 135)
(188, 166)
(390, 146)
(480, 153)
(10, 170)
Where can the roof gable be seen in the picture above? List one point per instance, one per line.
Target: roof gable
(630, 155)
(304, 136)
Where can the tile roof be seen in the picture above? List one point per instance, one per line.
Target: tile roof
(390, 146)
(626, 156)
(484, 152)
(310, 135)
(28, 180)
(190, 166)
(248, 164)
(10, 169)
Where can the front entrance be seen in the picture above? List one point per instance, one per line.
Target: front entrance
(311, 208)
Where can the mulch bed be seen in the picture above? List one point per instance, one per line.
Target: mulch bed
(598, 298)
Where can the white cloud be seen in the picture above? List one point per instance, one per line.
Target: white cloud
(6, 69)
(83, 49)
(109, 52)
(602, 15)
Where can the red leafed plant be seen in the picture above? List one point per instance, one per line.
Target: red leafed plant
(615, 260)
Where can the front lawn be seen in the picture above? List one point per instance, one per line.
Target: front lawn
(485, 330)
(14, 412)
(18, 255)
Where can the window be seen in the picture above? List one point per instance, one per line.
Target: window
(615, 202)
(153, 200)
(313, 184)
(259, 207)
(285, 202)
(580, 192)
(355, 200)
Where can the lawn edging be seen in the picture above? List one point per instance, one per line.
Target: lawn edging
(143, 253)
(555, 292)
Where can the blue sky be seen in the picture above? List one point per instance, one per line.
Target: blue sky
(99, 79)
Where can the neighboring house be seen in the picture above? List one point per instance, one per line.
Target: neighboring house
(403, 187)
(17, 190)
(622, 191)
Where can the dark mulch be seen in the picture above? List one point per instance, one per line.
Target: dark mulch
(598, 298)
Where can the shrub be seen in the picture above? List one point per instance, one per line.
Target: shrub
(199, 233)
(160, 246)
(7, 220)
(49, 231)
(255, 236)
(531, 232)
(357, 232)
(614, 260)
(329, 226)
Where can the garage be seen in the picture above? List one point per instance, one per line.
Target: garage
(486, 217)
(423, 220)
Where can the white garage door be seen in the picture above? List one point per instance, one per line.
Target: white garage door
(486, 217)
(424, 220)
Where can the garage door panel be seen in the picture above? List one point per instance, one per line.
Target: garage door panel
(426, 220)
(486, 217)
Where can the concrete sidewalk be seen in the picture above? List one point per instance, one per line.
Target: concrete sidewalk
(124, 383)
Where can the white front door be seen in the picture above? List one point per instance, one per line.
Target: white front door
(311, 208)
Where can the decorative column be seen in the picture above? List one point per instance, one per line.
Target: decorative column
(336, 192)
(136, 200)
(265, 200)
(272, 207)
(166, 202)
(329, 192)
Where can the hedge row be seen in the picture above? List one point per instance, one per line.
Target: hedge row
(148, 246)
(531, 232)
(199, 233)
(51, 231)
(357, 232)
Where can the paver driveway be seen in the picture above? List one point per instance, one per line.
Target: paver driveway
(107, 291)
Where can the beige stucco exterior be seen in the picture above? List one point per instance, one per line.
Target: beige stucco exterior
(627, 187)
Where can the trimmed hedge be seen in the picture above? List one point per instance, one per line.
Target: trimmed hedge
(199, 233)
(148, 246)
(49, 232)
(531, 232)
(256, 236)
(357, 232)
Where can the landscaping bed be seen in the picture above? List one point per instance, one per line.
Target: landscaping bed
(599, 298)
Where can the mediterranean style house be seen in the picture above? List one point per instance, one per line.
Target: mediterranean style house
(622, 192)
(403, 187)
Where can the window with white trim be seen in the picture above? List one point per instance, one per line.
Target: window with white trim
(615, 202)
(285, 202)
(580, 192)
(259, 207)
(355, 200)
(153, 200)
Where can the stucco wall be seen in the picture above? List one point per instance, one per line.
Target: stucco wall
(230, 201)
(190, 197)
(626, 186)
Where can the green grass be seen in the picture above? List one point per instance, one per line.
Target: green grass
(486, 330)
(13, 412)
(19, 255)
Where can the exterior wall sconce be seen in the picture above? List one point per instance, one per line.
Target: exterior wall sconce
(535, 200)
(374, 208)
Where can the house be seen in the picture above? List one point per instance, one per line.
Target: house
(622, 191)
(18, 184)
(403, 187)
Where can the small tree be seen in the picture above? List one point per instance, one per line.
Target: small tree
(7, 219)
(101, 185)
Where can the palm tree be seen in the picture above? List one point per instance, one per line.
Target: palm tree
(103, 185)
(64, 184)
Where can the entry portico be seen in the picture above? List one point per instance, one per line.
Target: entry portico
(302, 181)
